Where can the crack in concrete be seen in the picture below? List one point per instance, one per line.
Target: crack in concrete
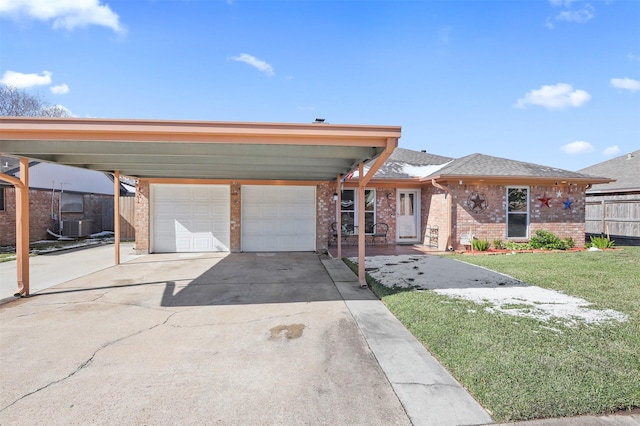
(87, 362)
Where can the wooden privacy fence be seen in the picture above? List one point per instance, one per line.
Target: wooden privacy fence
(613, 215)
(127, 217)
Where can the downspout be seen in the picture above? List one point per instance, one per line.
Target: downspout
(449, 211)
(22, 226)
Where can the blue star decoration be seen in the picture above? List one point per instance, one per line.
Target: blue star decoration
(567, 203)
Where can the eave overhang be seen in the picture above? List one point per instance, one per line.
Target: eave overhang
(161, 149)
(514, 180)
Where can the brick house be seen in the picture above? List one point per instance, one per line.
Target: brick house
(440, 202)
(86, 195)
(260, 187)
(422, 198)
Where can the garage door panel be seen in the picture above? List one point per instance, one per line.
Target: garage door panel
(190, 218)
(278, 218)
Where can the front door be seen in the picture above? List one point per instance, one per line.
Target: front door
(408, 215)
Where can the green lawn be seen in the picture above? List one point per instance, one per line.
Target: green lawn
(520, 368)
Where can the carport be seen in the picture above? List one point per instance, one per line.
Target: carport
(195, 152)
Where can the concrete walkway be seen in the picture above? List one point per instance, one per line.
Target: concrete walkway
(429, 394)
(54, 268)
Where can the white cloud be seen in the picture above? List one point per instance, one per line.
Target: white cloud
(625, 83)
(579, 16)
(632, 57)
(68, 14)
(258, 64)
(549, 23)
(611, 151)
(61, 89)
(22, 81)
(577, 147)
(558, 96)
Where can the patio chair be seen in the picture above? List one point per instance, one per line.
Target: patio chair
(348, 231)
(379, 230)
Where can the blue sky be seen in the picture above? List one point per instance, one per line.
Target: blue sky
(553, 82)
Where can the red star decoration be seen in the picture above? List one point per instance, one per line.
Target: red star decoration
(544, 201)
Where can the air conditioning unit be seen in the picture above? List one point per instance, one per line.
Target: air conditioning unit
(77, 228)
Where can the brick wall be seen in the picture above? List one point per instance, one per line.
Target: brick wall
(142, 219)
(491, 224)
(385, 211)
(325, 214)
(235, 238)
(435, 215)
(40, 212)
(564, 222)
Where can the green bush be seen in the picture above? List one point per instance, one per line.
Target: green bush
(480, 245)
(510, 245)
(497, 244)
(548, 241)
(601, 242)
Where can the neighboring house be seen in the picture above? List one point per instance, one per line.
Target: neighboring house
(614, 209)
(86, 195)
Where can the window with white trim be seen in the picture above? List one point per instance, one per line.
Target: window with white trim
(349, 208)
(517, 212)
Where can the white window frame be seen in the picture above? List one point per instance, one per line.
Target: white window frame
(356, 208)
(526, 212)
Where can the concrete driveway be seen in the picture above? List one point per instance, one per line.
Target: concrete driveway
(192, 339)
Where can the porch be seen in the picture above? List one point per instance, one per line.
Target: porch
(382, 250)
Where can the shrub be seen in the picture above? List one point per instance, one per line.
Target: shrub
(479, 245)
(570, 242)
(497, 244)
(601, 242)
(509, 245)
(548, 241)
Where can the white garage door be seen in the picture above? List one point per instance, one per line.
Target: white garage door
(278, 218)
(190, 218)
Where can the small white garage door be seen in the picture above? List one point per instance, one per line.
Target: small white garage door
(190, 218)
(278, 218)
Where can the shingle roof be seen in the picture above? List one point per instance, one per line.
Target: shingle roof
(488, 166)
(8, 163)
(406, 163)
(624, 169)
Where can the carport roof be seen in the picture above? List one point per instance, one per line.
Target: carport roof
(198, 149)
